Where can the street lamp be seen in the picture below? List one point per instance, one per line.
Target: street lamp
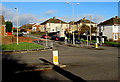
(73, 17)
(17, 23)
(90, 27)
(46, 40)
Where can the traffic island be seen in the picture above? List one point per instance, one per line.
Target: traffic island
(94, 48)
(42, 67)
(99, 49)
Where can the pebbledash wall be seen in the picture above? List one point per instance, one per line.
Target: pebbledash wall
(111, 31)
(55, 27)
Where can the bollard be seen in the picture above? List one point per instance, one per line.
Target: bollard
(97, 40)
(65, 40)
(103, 40)
(96, 45)
(55, 57)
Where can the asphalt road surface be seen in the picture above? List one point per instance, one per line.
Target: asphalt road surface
(90, 64)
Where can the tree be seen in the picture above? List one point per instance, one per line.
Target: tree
(85, 27)
(9, 26)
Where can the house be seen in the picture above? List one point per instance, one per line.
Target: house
(72, 26)
(110, 28)
(54, 25)
(85, 22)
(26, 27)
(36, 27)
(2, 26)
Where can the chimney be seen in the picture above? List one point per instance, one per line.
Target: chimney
(54, 17)
(116, 17)
(84, 18)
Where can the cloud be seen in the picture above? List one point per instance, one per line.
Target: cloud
(7, 12)
(10, 15)
(27, 18)
(24, 19)
(50, 12)
(70, 18)
(95, 17)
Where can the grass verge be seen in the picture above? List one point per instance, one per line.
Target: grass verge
(21, 46)
(112, 43)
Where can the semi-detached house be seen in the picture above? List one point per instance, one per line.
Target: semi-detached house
(110, 28)
(54, 25)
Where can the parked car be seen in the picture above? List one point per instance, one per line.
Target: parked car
(25, 32)
(19, 34)
(55, 38)
(77, 41)
(44, 36)
(62, 39)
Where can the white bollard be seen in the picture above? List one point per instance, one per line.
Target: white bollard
(96, 45)
(103, 40)
(97, 40)
(65, 40)
(55, 57)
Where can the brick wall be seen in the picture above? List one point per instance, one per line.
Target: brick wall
(2, 31)
(12, 39)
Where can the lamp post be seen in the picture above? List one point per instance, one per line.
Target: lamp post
(90, 28)
(73, 17)
(46, 39)
(17, 23)
(87, 37)
(46, 42)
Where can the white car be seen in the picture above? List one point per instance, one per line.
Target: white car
(25, 32)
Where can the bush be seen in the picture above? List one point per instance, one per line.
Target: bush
(117, 44)
(111, 40)
(38, 33)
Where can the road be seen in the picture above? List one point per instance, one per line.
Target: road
(89, 64)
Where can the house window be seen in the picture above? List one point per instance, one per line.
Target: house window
(115, 29)
(119, 34)
(52, 29)
(34, 29)
(115, 36)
